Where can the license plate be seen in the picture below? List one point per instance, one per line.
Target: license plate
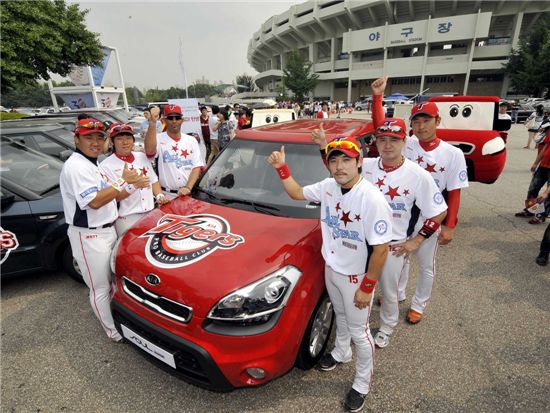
(149, 347)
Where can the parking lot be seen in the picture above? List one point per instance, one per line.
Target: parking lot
(483, 346)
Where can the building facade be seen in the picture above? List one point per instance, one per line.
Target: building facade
(426, 47)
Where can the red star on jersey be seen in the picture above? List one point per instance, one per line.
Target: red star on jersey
(442, 169)
(420, 159)
(143, 171)
(184, 153)
(406, 192)
(357, 217)
(338, 207)
(175, 148)
(380, 182)
(345, 218)
(430, 167)
(392, 192)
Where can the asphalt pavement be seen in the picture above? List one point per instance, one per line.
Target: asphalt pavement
(483, 345)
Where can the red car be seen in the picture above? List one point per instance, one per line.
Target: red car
(226, 287)
(471, 123)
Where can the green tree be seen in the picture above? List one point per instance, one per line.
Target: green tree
(298, 76)
(32, 95)
(134, 95)
(43, 36)
(201, 90)
(529, 67)
(244, 83)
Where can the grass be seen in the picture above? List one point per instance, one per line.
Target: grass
(11, 115)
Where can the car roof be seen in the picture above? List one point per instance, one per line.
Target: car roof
(300, 130)
(22, 126)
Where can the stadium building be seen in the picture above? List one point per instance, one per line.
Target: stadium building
(429, 47)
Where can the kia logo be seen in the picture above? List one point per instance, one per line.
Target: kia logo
(152, 279)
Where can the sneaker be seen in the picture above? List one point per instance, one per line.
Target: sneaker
(328, 363)
(413, 316)
(524, 213)
(538, 219)
(542, 259)
(381, 340)
(354, 401)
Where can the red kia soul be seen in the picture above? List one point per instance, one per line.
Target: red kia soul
(226, 287)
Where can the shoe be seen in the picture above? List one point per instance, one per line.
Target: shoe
(414, 316)
(542, 259)
(354, 401)
(538, 219)
(381, 340)
(524, 214)
(121, 341)
(328, 363)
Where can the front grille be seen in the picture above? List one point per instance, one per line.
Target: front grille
(157, 303)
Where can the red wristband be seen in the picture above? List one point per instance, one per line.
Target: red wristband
(429, 228)
(284, 172)
(367, 285)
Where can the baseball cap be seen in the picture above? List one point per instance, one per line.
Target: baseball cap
(346, 145)
(393, 127)
(89, 125)
(171, 109)
(120, 128)
(425, 108)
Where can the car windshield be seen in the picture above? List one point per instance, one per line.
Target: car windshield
(241, 178)
(27, 168)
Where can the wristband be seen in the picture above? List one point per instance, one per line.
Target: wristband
(119, 184)
(159, 196)
(130, 188)
(367, 285)
(429, 228)
(283, 171)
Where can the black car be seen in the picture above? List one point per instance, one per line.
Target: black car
(33, 231)
(103, 115)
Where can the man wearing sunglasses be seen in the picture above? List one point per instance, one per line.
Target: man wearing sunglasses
(447, 167)
(356, 229)
(178, 155)
(136, 199)
(89, 204)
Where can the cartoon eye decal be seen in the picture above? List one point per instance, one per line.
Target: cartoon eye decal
(275, 119)
(467, 111)
(453, 111)
(268, 119)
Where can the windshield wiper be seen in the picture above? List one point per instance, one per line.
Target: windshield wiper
(268, 209)
(204, 191)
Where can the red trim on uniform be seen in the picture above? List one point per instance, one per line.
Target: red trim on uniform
(130, 158)
(172, 137)
(453, 204)
(93, 289)
(431, 145)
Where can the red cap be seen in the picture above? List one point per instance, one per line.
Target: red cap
(394, 127)
(89, 125)
(347, 145)
(425, 108)
(120, 128)
(171, 109)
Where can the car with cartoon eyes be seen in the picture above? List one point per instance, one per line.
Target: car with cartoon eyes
(225, 287)
(471, 123)
(262, 117)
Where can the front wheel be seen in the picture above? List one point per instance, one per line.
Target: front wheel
(70, 265)
(317, 334)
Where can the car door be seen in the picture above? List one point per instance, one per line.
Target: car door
(41, 143)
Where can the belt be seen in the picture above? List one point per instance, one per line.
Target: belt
(103, 226)
(172, 191)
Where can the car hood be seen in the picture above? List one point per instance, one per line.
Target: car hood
(202, 252)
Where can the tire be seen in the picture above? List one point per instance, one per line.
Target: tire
(70, 266)
(359, 108)
(317, 334)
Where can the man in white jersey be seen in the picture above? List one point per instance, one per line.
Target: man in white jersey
(90, 210)
(447, 166)
(178, 155)
(356, 229)
(136, 199)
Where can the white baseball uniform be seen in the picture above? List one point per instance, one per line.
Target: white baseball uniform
(447, 167)
(176, 160)
(141, 200)
(351, 223)
(90, 232)
(407, 189)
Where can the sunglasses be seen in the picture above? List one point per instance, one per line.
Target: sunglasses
(343, 145)
(95, 125)
(173, 117)
(121, 126)
(394, 129)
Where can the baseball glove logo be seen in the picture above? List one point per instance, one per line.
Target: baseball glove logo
(8, 242)
(178, 241)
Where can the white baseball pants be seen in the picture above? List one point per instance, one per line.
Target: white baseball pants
(123, 224)
(92, 251)
(389, 285)
(352, 323)
(426, 255)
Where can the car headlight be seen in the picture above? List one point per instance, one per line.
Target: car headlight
(113, 255)
(257, 301)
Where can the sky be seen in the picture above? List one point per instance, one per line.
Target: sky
(147, 35)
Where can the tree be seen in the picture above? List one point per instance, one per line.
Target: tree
(43, 36)
(298, 76)
(244, 83)
(528, 65)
